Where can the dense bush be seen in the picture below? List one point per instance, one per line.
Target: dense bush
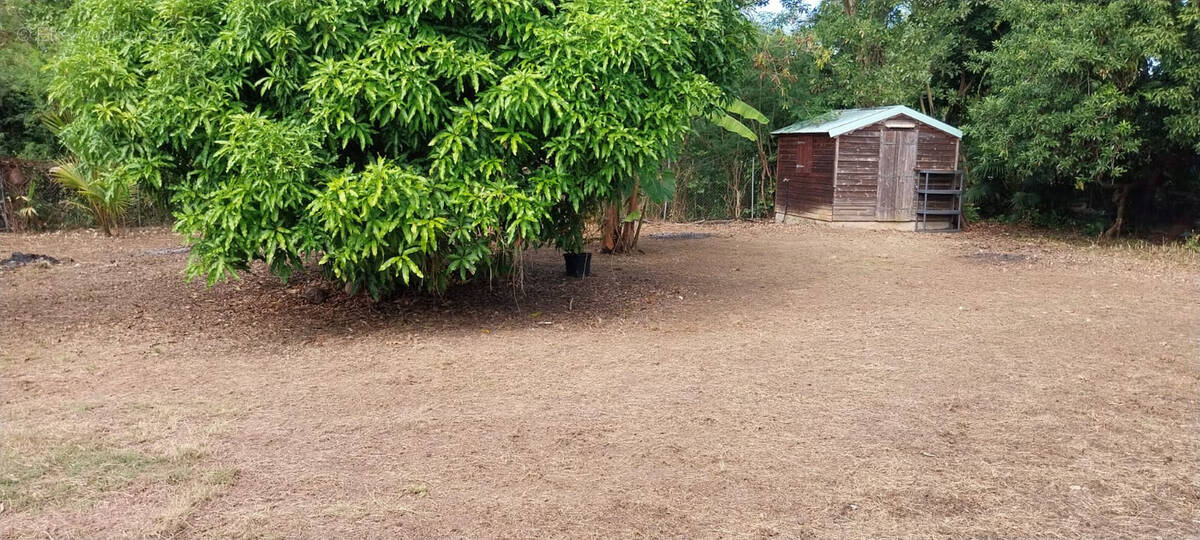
(1093, 104)
(28, 37)
(422, 140)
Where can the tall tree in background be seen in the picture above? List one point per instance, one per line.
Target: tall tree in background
(28, 37)
(875, 53)
(1091, 98)
(720, 174)
(917, 53)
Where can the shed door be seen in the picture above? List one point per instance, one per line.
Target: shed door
(804, 156)
(897, 183)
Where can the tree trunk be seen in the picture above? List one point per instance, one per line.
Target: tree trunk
(763, 174)
(620, 235)
(628, 240)
(610, 226)
(10, 175)
(103, 219)
(851, 7)
(929, 94)
(1120, 197)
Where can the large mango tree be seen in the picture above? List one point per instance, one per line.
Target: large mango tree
(404, 142)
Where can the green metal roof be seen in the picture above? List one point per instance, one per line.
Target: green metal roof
(846, 120)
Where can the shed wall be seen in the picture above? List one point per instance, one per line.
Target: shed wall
(936, 149)
(857, 175)
(857, 184)
(805, 191)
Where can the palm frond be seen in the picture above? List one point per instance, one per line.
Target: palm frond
(107, 197)
(69, 175)
(54, 122)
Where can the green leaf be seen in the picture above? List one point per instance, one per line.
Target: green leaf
(659, 187)
(732, 125)
(744, 110)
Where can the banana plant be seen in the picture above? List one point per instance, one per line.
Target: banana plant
(726, 120)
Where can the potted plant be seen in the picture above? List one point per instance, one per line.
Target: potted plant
(568, 238)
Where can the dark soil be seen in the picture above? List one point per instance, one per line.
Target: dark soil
(992, 257)
(19, 259)
(680, 235)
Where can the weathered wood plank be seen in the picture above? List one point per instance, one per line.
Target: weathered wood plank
(823, 213)
(885, 198)
(805, 174)
(906, 161)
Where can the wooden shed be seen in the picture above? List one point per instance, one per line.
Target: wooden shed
(884, 166)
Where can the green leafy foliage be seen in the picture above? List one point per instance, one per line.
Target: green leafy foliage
(732, 125)
(28, 36)
(659, 188)
(744, 110)
(717, 172)
(405, 142)
(1090, 95)
(727, 122)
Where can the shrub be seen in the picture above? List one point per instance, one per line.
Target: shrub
(407, 142)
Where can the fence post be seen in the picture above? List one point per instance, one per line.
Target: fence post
(752, 164)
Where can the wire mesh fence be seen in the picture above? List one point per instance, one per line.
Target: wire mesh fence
(30, 200)
(710, 190)
(706, 188)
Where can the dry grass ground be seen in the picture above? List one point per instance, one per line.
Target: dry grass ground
(783, 380)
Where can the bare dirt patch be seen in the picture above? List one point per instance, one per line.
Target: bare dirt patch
(18, 259)
(994, 257)
(787, 380)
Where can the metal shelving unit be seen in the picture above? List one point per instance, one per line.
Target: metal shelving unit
(939, 193)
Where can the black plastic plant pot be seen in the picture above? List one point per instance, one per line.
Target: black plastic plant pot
(578, 264)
